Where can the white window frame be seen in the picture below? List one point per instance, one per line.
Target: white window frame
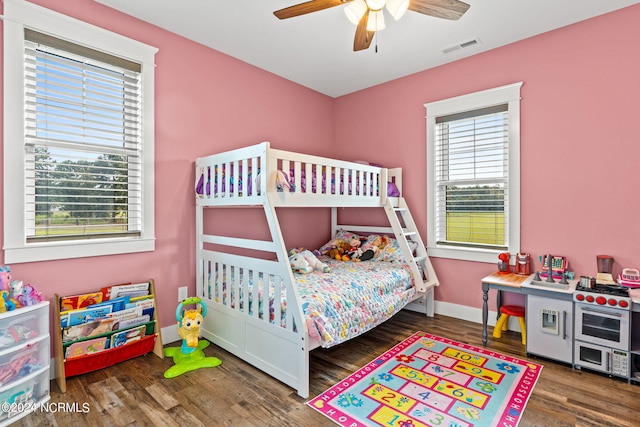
(18, 15)
(510, 95)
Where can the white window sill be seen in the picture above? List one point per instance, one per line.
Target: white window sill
(465, 254)
(65, 250)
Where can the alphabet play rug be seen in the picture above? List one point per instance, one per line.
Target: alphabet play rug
(428, 380)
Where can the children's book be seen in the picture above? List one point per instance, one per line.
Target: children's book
(85, 330)
(116, 303)
(106, 291)
(147, 305)
(133, 290)
(129, 323)
(74, 302)
(81, 348)
(85, 315)
(127, 336)
(127, 313)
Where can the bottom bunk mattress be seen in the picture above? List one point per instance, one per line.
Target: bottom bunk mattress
(350, 299)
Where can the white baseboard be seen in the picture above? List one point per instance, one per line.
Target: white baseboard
(472, 314)
(170, 334)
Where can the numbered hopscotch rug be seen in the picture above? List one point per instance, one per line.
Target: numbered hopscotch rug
(428, 380)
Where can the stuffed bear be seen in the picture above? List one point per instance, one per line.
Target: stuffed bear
(337, 248)
(304, 261)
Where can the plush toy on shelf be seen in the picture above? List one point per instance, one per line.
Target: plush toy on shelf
(14, 293)
(29, 296)
(15, 289)
(5, 277)
(190, 356)
(5, 303)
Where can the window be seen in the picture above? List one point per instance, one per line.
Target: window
(78, 138)
(473, 153)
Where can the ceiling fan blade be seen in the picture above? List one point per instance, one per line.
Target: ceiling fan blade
(447, 9)
(363, 37)
(307, 7)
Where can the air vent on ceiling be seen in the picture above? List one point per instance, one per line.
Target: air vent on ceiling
(462, 45)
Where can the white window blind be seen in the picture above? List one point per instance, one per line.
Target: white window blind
(472, 178)
(83, 142)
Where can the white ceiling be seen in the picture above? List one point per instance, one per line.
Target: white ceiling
(316, 50)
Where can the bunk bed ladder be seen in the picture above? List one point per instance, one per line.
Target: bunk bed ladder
(406, 231)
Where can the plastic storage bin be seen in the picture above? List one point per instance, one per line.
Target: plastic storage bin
(24, 359)
(23, 324)
(25, 396)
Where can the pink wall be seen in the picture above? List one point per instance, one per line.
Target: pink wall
(580, 98)
(579, 165)
(205, 102)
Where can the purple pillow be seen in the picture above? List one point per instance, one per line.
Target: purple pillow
(392, 190)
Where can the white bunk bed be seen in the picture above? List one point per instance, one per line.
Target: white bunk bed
(254, 176)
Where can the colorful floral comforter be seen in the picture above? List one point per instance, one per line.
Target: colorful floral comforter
(351, 299)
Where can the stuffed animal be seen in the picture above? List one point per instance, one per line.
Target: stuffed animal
(5, 302)
(189, 326)
(304, 261)
(355, 251)
(5, 277)
(283, 182)
(338, 250)
(4, 296)
(15, 289)
(371, 249)
(29, 296)
(331, 248)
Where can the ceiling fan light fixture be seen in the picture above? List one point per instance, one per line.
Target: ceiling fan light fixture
(397, 8)
(375, 21)
(356, 10)
(376, 5)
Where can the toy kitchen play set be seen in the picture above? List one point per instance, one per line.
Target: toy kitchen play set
(589, 322)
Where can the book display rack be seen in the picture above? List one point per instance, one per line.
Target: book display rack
(99, 329)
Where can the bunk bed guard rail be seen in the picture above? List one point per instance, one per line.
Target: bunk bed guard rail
(246, 175)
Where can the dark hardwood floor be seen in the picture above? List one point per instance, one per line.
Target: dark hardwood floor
(135, 392)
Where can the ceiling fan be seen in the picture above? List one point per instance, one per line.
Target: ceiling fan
(369, 17)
